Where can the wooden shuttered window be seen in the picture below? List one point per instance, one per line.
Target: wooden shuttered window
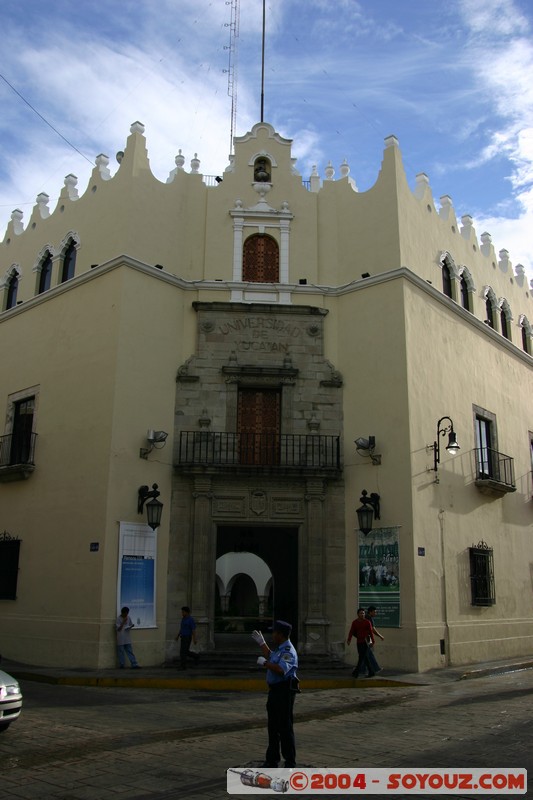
(260, 261)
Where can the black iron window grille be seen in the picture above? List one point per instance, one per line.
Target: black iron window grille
(494, 466)
(17, 448)
(9, 565)
(482, 574)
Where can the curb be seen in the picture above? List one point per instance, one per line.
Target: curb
(499, 669)
(205, 684)
(244, 684)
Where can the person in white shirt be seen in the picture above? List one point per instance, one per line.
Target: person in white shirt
(123, 627)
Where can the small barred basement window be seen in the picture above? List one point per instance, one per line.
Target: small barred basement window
(482, 575)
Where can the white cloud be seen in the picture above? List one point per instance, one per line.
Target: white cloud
(93, 104)
(500, 53)
(494, 17)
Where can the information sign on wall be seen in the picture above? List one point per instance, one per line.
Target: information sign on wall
(136, 573)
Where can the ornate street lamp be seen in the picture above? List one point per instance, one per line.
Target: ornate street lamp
(367, 512)
(452, 447)
(154, 508)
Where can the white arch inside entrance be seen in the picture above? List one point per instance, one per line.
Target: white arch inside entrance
(231, 565)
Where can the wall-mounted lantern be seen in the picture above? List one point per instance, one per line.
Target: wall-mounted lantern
(154, 508)
(368, 511)
(452, 447)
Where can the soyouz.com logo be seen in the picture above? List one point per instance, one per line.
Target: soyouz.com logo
(508, 782)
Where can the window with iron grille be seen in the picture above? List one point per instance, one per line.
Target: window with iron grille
(482, 575)
(9, 566)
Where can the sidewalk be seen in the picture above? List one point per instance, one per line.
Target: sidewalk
(208, 679)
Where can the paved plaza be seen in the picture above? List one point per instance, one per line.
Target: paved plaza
(97, 743)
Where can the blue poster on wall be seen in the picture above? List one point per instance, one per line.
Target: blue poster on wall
(137, 571)
(137, 589)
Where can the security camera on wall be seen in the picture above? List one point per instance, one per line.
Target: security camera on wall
(366, 446)
(155, 437)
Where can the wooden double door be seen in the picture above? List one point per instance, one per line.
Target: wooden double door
(258, 426)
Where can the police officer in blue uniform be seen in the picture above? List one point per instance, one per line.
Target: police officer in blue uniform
(281, 665)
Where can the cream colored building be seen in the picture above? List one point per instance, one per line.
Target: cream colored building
(265, 323)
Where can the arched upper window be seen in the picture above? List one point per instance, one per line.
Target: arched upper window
(466, 288)
(490, 304)
(446, 280)
(260, 259)
(465, 297)
(69, 262)
(505, 319)
(45, 273)
(526, 334)
(12, 289)
(449, 273)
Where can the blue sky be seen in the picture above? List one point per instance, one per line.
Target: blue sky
(452, 79)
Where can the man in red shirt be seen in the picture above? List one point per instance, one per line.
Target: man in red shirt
(361, 628)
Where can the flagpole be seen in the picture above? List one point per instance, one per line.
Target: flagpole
(263, 67)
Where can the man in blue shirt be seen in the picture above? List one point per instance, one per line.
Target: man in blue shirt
(187, 635)
(281, 665)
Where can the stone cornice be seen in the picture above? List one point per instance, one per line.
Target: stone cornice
(257, 308)
(310, 289)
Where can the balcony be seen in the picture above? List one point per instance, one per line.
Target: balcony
(17, 456)
(259, 451)
(494, 472)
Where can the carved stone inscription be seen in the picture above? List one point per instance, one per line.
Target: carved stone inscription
(286, 507)
(261, 334)
(232, 506)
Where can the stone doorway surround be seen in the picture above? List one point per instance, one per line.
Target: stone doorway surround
(305, 509)
(273, 349)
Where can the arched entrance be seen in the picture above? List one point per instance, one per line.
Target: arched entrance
(256, 578)
(244, 601)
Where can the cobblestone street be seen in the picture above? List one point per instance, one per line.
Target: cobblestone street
(81, 743)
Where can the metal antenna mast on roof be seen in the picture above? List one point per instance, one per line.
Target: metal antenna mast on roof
(263, 67)
(233, 26)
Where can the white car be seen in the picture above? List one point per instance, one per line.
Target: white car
(10, 700)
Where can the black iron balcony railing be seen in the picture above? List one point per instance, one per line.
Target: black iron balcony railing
(494, 466)
(17, 449)
(203, 448)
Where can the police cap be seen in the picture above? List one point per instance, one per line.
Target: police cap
(282, 627)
